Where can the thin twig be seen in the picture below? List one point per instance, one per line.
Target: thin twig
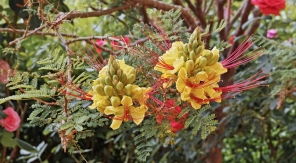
(21, 31)
(79, 14)
(7, 21)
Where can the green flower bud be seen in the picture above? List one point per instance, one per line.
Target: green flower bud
(195, 44)
(185, 49)
(115, 65)
(119, 86)
(108, 80)
(192, 55)
(102, 81)
(208, 54)
(108, 90)
(119, 73)
(198, 50)
(130, 79)
(115, 79)
(100, 89)
(123, 78)
(112, 70)
(115, 101)
(189, 65)
(127, 89)
(202, 62)
(213, 60)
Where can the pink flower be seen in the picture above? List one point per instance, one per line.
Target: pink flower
(270, 6)
(4, 68)
(100, 42)
(272, 33)
(12, 121)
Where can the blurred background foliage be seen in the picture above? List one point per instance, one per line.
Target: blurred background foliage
(258, 125)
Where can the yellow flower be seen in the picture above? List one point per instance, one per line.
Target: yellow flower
(198, 89)
(126, 68)
(125, 111)
(171, 62)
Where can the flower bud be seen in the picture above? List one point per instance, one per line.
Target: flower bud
(185, 49)
(202, 62)
(195, 44)
(102, 81)
(115, 65)
(108, 80)
(189, 65)
(119, 86)
(111, 70)
(130, 79)
(192, 55)
(115, 101)
(119, 73)
(207, 54)
(123, 78)
(213, 60)
(115, 79)
(108, 90)
(100, 89)
(127, 89)
(198, 50)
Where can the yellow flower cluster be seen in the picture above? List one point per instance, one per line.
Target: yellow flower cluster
(195, 70)
(114, 93)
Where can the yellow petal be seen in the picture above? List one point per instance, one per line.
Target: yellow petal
(180, 84)
(138, 113)
(199, 93)
(116, 123)
(195, 105)
(202, 76)
(178, 63)
(126, 101)
(182, 73)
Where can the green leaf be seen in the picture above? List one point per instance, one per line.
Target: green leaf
(7, 139)
(81, 119)
(66, 125)
(26, 146)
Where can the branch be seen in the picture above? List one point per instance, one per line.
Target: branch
(220, 13)
(166, 7)
(22, 31)
(79, 14)
(200, 14)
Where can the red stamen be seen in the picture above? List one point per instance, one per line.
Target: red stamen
(236, 58)
(163, 65)
(252, 82)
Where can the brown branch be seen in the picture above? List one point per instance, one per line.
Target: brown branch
(21, 31)
(234, 18)
(79, 14)
(208, 8)
(145, 15)
(220, 14)
(92, 38)
(166, 7)
(200, 14)
(7, 21)
(251, 30)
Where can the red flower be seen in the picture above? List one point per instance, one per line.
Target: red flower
(270, 6)
(12, 121)
(4, 69)
(176, 126)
